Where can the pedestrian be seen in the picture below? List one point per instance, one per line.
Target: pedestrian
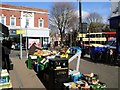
(6, 49)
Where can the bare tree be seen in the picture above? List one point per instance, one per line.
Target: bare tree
(94, 18)
(61, 16)
(95, 22)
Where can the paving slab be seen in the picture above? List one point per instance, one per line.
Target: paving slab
(22, 77)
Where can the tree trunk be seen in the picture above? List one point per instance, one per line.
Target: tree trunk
(61, 42)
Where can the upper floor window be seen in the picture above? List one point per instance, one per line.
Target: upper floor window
(41, 22)
(3, 20)
(27, 22)
(12, 21)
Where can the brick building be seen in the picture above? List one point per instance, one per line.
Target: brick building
(32, 21)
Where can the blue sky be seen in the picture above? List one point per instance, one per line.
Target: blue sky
(102, 8)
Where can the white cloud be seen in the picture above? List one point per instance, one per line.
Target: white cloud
(84, 14)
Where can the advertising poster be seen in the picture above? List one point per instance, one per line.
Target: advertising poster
(31, 41)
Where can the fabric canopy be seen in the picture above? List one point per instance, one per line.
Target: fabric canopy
(4, 29)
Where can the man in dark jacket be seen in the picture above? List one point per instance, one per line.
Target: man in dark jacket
(33, 48)
(6, 49)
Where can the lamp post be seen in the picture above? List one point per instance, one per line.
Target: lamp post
(80, 18)
(20, 40)
(26, 35)
(27, 18)
(26, 43)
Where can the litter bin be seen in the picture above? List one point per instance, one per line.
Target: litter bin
(31, 60)
(96, 53)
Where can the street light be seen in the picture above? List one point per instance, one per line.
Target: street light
(20, 40)
(27, 23)
(80, 18)
(27, 16)
(26, 42)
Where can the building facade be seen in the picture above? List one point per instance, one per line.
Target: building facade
(115, 8)
(115, 24)
(31, 22)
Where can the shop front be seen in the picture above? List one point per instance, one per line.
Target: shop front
(39, 36)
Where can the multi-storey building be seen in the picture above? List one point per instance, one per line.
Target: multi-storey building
(115, 24)
(32, 22)
(115, 8)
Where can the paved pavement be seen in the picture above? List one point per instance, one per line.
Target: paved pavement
(21, 76)
(107, 74)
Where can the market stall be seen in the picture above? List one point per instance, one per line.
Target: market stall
(55, 73)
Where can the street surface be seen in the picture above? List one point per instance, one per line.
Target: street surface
(22, 77)
(107, 74)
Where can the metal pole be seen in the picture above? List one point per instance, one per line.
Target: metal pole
(80, 18)
(26, 41)
(20, 40)
(71, 39)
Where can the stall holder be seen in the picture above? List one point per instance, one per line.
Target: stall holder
(5, 82)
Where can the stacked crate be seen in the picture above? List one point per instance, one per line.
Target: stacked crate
(58, 73)
(5, 82)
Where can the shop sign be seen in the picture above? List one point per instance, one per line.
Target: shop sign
(20, 31)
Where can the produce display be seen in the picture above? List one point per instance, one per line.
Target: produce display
(5, 82)
(84, 81)
(45, 53)
(77, 80)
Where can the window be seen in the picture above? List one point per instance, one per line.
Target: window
(12, 22)
(27, 22)
(3, 20)
(45, 39)
(41, 22)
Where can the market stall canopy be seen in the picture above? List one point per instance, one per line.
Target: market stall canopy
(4, 30)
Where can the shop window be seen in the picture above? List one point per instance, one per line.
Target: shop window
(45, 39)
(3, 20)
(27, 22)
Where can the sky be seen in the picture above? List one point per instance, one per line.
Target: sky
(102, 8)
